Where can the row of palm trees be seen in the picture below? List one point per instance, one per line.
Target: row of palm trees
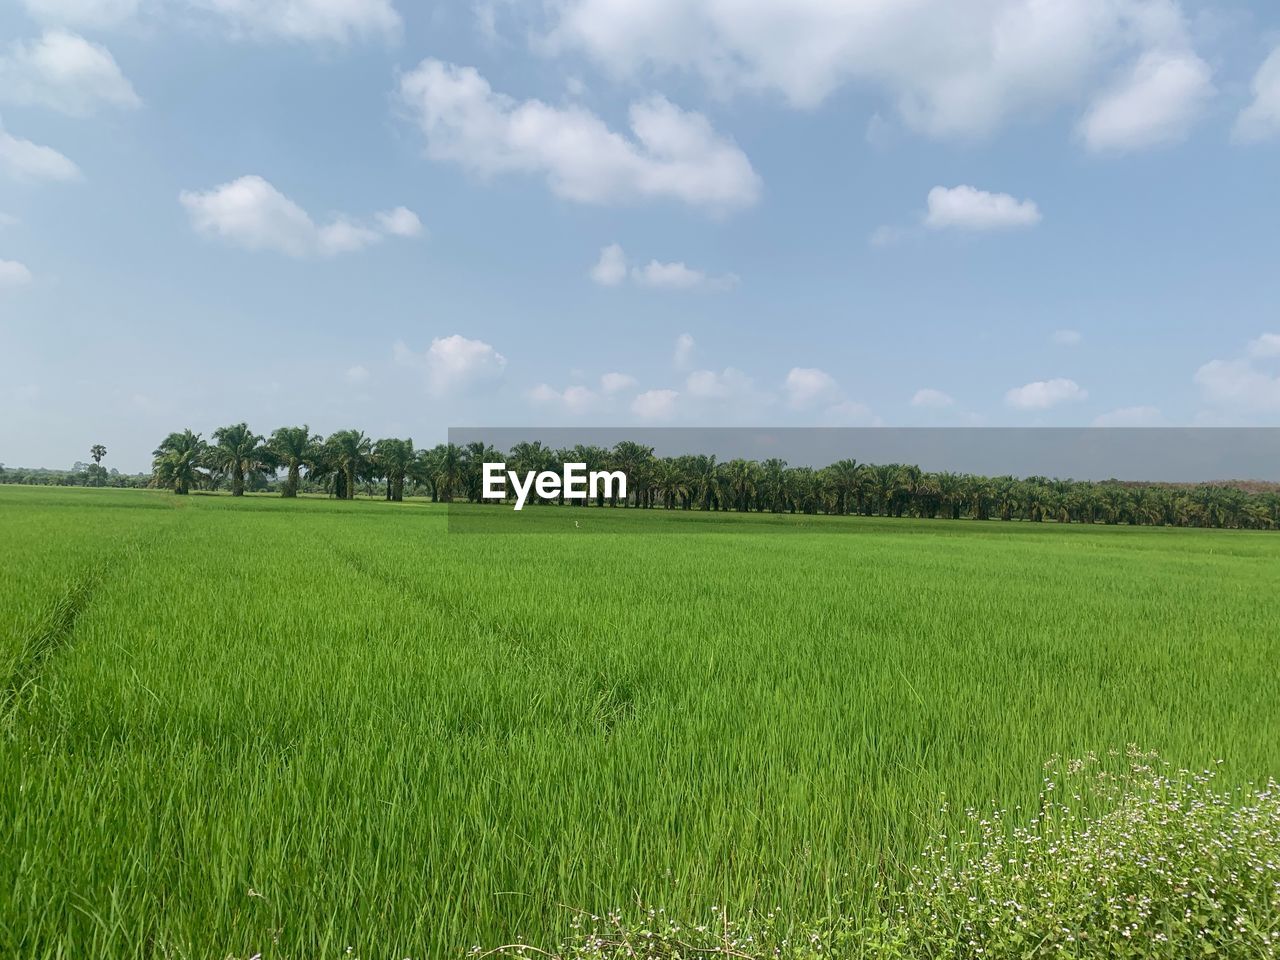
(294, 459)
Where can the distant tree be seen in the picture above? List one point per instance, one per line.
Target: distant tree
(350, 453)
(294, 448)
(238, 452)
(178, 460)
(394, 459)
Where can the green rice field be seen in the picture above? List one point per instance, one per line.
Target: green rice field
(320, 729)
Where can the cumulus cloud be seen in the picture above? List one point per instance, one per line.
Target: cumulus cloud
(1242, 385)
(1043, 394)
(253, 214)
(948, 69)
(400, 222)
(13, 274)
(1130, 417)
(728, 384)
(26, 161)
(357, 374)
(453, 363)
(683, 356)
(1066, 338)
(1267, 345)
(931, 399)
(611, 269)
(672, 153)
(1153, 104)
(655, 404)
(807, 386)
(967, 208)
(1260, 120)
(617, 382)
(574, 399)
(64, 72)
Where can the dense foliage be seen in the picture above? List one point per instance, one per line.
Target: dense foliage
(348, 461)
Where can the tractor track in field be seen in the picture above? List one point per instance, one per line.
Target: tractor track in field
(56, 627)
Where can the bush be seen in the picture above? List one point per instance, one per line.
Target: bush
(1123, 858)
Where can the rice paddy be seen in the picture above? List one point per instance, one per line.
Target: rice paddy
(319, 729)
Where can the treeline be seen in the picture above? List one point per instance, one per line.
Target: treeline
(80, 475)
(294, 460)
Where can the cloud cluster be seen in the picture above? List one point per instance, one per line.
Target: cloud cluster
(671, 153)
(611, 270)
(452, 364)
(931, 399)
(64, 72)
(949, 69)
(253, 214)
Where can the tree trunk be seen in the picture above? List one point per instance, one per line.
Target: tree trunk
(291, 485)
(237, 481)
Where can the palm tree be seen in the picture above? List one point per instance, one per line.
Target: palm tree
(294, 448)
(349, 454)
(97, 452)
(394, 458)
(177, 461)
(741, 479)
(845, 479)
(239, 453)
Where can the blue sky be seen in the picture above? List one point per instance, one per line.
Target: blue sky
(409, 217)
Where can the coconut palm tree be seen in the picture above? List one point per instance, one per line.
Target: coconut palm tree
(177, 462)
(293, 449)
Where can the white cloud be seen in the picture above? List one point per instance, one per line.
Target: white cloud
(26, 161)
(672, 153)
(1043, 394)
(82, 13)
(655, 404)
(949, 69)
(678, 276)
(1130, 417)
(611, 269)
(400, 222)
(8, 220)
(931, 399)
(683, 356)
(1267, 345)
(729, 384)
(334, 21)
(253, 214)
(616, 382)
(454, 363)
(13, 274)
(1066, 338)
(357, 374)
(1238, 385)
(1260, 120)
(807, 386)
(1154, 104)
(574, 399)
(967, 208)
(64, 72)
